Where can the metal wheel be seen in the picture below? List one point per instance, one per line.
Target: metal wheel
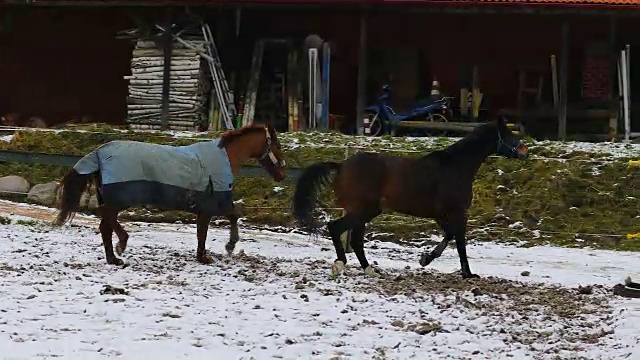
(436, 118)
(376, 123)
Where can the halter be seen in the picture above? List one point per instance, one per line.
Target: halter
(501, 143)
(268, 153)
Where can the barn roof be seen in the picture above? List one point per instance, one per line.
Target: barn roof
(565, 3)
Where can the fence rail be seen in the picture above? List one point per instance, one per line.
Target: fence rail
(27, 157)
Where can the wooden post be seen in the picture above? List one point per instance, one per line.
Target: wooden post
(167, 44)
(564, 60)
(345, 237)
(554, 81)
(614, 98)
(362, 74)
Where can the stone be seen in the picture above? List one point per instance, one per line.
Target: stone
(44, 194)
(397, 323)
(14, 184)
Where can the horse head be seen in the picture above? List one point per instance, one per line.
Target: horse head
(271, 158)
(509, 144)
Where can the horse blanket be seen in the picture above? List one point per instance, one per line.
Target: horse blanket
(194, 178)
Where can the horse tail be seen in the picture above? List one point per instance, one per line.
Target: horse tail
(73, 185)
(305, 197)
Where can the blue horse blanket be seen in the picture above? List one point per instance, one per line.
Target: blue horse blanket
(195, 178)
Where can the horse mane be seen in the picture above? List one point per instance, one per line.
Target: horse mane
(468, 142)
(230, 136)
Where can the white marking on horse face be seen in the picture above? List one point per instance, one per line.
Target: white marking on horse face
(337, 268)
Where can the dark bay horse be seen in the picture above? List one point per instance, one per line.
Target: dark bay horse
(437, 186)
(196, 178)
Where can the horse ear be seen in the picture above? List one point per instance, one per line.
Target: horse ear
(501, 120)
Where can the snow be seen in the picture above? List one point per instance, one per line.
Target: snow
(6, 138)
(275, 299)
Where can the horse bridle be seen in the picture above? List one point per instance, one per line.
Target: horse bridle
(501, 143)
(269, 154)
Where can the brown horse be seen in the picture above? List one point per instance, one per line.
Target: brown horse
(437, 185)
(169, 163)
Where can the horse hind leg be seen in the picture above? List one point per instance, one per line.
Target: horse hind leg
(336, 229)
(123, 237)
(107, 234)
(357, 241)
(202, 229)
(234, 236)
(111, 216)
(426, 258)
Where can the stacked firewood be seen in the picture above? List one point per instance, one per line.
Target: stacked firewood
(189, 86)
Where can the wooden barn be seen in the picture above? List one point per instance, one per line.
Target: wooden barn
(62, 60)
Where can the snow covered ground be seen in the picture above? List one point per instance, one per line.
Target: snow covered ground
(275, 299)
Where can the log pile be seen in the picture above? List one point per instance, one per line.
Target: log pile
(190, 86)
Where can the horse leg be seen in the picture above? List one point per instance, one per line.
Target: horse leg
(461, 245)
(106, 230)
(357, 243)
(234, 237)
(201, 232)
(459, 228)
(123, 237)
(427, 258)
(336, 228)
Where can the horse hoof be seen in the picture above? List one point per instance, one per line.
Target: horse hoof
(425, 259)
(470, 276)
(120, 248)
(115, 261)
(205, 259)
(337, 268)
(230, 247)
(371, 271)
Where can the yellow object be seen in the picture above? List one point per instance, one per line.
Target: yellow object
(633, 236)
(634, 163)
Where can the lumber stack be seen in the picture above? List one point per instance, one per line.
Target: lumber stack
(190, 86)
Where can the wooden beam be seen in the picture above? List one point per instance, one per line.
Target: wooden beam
(564, 61)
(614, 98)
(362, 74)
(167, 45)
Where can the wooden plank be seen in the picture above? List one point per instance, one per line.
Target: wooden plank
(554, 81)
(457, 126)
(362, 75)
(564, 60)
(167, 44)
(70, 160)
(613, 77)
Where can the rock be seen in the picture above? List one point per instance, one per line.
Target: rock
(13, 183)
(427, 327)
(44, 194)
(585, 290)
(397, 323)
(525, 273)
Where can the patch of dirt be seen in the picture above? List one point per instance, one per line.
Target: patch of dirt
(525, 311)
